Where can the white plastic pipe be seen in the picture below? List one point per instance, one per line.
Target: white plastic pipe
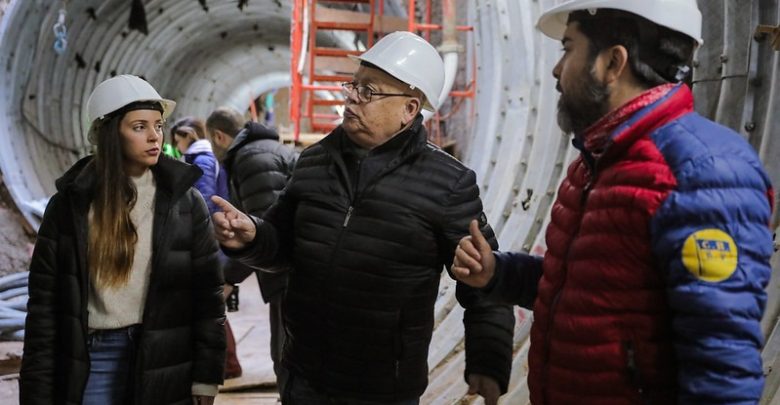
(449, 49)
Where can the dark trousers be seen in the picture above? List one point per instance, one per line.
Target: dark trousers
(299, 392)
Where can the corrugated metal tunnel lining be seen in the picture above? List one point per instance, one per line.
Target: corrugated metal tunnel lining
(200, 58)
(226, 55)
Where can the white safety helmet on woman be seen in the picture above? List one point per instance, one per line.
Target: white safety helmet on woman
(679, 15)
(412, 60)
(119, 92)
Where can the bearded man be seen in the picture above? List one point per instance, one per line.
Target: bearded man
(652, 287)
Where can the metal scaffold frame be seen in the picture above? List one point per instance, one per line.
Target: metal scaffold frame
(305, 54)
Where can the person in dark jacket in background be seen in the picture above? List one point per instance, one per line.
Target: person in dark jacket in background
(126, 302)
(367, 223)
(658, 249)
(258, 167)
(189, 138)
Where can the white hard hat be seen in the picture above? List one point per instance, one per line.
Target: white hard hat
(412, 60)
(679, 15)
(119, 91)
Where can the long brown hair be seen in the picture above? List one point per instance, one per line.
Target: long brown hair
(112, 235)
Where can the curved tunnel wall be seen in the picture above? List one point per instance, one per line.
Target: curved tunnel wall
(201, 59)
(228, 56)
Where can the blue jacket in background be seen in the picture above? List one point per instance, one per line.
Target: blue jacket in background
(201, 155)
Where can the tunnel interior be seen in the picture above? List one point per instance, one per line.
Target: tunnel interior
(210, 53)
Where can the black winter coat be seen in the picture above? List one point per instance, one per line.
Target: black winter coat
(366, 268)
(182, 339)
(258, 166)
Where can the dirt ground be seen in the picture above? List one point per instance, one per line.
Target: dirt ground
(15, 243)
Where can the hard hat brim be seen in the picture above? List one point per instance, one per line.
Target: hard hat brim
(168, 107)
(426, 104)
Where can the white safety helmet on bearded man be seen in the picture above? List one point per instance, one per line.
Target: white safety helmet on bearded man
(679, 15)
(120, 91)
(412, 60)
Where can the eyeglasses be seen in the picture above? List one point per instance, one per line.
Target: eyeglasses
(364, 93)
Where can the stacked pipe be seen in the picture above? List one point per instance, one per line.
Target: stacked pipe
(13, 305)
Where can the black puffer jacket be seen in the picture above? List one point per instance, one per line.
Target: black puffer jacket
(258, 167)
(183, 338)
(366, 268)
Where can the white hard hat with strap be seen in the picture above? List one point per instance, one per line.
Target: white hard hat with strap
(679, 15)
(120, 91)
(412, 60)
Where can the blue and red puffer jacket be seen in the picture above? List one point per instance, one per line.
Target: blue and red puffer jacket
(652, 287)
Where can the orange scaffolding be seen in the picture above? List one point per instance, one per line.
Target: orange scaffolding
(304, 98)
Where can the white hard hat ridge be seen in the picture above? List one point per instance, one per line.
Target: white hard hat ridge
(120, 91)
(682, 16)
(412, 60)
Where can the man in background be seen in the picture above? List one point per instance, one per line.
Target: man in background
(258, 167)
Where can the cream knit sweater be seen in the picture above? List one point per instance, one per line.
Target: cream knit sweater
(118, 307)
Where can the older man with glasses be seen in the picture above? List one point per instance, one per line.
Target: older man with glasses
(368, 221)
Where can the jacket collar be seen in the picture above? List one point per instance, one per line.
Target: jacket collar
(598, 136)
(406, 143)
(674, 103)
(199, 146)
(252, 131)
(170, 175)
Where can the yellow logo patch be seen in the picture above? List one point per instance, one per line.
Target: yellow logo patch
(710, 255)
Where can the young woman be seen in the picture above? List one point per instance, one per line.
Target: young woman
(126, 302)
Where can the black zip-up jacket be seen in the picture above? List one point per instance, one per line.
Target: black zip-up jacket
(366, 264)
(258, 168)
(183, 337)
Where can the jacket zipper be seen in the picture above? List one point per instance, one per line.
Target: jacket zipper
(398, 351)
(352, 202)
(80, 238)
(355, 194)
(553, 306)
(354, 198)
(633, 370)
(346, 218)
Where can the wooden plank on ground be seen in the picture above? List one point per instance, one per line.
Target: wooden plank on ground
(247, 398)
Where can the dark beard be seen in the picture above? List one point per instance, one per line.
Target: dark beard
(582, 107)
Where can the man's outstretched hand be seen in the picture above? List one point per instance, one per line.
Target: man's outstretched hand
(232, 228)
(474, 263)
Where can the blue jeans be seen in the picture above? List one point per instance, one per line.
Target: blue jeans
(299, 392)
(111, 355)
